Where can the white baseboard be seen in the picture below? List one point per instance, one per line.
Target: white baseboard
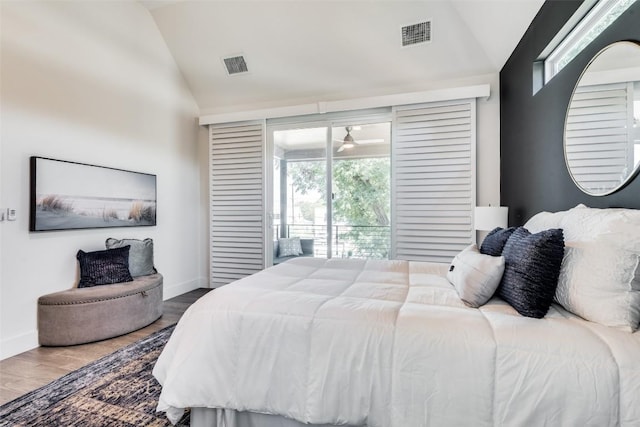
(18, 344)
(204, 282)
(181, 288)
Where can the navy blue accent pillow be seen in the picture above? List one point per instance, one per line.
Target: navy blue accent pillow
(495, 241)
(532, 267)
(104, 267)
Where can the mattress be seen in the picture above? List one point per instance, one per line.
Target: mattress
(389, 343)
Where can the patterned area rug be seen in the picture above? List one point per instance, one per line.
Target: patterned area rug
(117, 390)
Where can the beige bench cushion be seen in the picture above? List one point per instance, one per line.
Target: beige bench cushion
(77, 316)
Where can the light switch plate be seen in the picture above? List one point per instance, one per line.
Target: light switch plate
(11, 214)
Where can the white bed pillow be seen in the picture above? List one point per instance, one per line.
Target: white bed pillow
(475, 276)
(546, 220)
(600, 275)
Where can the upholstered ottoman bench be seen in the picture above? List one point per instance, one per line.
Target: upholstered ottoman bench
(83, 315)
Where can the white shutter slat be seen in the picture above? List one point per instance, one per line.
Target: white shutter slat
(613, 122)
(450, 148)
(590, 102)
(611, 132)
(231, 146)
(433, 113)
(234, 234)
(434, 128)
(407, 170)
(453, 121)
(596, 142)
(237, 177)
(595, 148)
(233, 197)
(598, 162)
(584, 111)
(447, 143)
(436, 137)
(442, 158)
(449, 220)
(221, 161)
(434, 180)
(247, 168)
(424, 196)
(433, 233)
(583, 92)
(256, 192)
(229, 134)
(459, 177)
(236, 201)
(437, 178)
(589, 155)
(586, 119)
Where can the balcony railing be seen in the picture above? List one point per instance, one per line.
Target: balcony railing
(349, 241)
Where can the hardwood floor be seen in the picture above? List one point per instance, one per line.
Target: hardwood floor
(27, 371)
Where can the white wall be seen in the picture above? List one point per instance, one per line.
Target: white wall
(91, 82)
(203, 156)
(488, 145)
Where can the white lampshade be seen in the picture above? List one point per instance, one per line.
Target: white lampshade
(490, 217)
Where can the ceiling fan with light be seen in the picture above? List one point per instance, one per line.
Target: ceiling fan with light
(349, 142)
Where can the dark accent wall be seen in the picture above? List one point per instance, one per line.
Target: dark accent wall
(533, 173)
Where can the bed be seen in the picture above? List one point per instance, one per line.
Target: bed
(390, 343)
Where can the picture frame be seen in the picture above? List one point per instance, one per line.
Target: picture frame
(67, 195)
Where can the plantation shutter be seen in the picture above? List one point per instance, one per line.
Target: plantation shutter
(597, 140)
(433, 155)
(236, 201)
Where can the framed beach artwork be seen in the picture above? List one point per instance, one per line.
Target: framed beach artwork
(67, 195)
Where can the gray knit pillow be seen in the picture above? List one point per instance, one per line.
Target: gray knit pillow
(289, 247)
(140, 255)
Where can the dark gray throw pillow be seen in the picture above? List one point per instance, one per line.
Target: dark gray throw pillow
(104, 267)
(532, 267)
(495, 241)
(140, 254)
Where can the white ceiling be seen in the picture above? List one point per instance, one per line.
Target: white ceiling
(301, 51)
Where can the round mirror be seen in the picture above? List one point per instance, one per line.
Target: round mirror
(602, 127)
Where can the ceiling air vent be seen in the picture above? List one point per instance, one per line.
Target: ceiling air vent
(235, 65)
(416, 33)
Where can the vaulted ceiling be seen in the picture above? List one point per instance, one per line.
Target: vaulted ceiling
(308, 51)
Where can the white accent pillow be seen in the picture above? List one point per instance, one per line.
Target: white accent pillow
(600, 274)
(289, 247)
(475, 276)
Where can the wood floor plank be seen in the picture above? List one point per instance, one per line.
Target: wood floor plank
(27, 371)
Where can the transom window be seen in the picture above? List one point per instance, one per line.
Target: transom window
(587, 23)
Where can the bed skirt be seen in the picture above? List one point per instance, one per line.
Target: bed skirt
(208, 417)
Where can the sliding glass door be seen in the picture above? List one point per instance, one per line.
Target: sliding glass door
(361, 176)
(331, 188)
(299, 188)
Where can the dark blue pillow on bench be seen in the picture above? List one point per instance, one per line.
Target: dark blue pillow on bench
(104, 267)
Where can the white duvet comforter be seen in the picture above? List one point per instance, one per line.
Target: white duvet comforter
(389, 343)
